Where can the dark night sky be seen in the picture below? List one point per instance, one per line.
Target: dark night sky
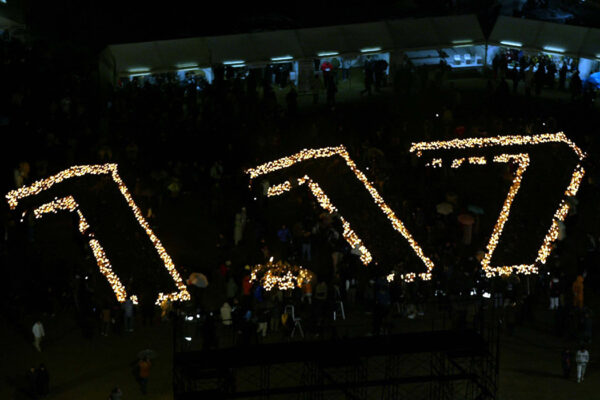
(99, 23)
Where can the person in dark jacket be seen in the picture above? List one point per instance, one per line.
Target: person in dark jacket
(566, 362)
(43, 381)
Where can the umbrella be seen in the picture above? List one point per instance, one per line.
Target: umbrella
(147, 353)
(466, 219)
(326, 66)
(444, 208)
(475, 209)
(198, 279)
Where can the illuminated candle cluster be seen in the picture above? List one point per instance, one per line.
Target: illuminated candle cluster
(549, 239)
(69, 204)
(523, 161)
(477, 160)
(435, 163)
(397, 224)
(14, 196)
(348, 234)
(575, 181)
(279, 189)
(497, 141)
(281, 275)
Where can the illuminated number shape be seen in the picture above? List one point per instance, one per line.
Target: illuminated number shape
(68, 203)
(522, 160)
(351, 237)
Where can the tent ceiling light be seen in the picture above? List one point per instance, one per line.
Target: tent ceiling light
(462, 41)
(140, 74)
(511, 43)
(187, 65)
(238, 65)
(233, 62)
(134, 70)
(282, 58)
(370, 49)
(327, 53)
(462, 45)
(554, 49)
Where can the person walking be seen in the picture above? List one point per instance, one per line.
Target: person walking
(116, 394)
(331, 91)
(566, 359)
(144, 372)
(128, 315)
(554, 293)
(581, 358)
(43, 381)
(38, 334)
(315, 88)
(106, 319)
(578, 292)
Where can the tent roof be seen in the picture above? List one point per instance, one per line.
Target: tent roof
(325, 39)
(302, 43)
(537, 35)
(590, 47)
(6, 23)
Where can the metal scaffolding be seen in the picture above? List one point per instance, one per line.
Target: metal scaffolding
(457, 362)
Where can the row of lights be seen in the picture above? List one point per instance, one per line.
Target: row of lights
(69, 204)
(348, 234)
(14, 196)
(144, 71)
(523, 161)
(457, 162)
(510, 140)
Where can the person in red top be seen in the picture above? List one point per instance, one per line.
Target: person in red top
(246, 286)
(246, 291)
(144, 372)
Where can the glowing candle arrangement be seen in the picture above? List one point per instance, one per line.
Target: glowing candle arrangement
(309, 154)
(523, 161)
(281, 275)
(279, 189)
(348, 234)
(14, 196)
(69, 204)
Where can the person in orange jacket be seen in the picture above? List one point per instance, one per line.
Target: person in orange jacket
(307, 292)
(144, 372)
(578, 292)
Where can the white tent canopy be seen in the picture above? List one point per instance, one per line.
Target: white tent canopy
(7, 23)
(570, 40)
(307, 43)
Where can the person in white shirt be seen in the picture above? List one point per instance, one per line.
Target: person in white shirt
(38, 334)
(581, 358)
